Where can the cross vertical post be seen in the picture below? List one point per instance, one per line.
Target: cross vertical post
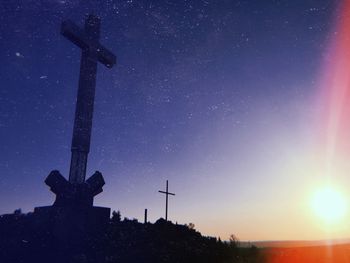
(145, 216)
(92, 53)
(167, 193)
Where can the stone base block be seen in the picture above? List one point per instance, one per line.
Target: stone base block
(72, 225)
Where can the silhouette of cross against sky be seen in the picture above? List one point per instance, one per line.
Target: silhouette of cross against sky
(219, 97)
(167, 193)
(92, 53)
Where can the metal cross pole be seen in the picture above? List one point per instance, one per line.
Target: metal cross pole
(92, 53)
(145, 216)
(167, 193)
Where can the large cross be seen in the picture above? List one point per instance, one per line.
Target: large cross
(78, 192)
(167, 193)
(92, 53)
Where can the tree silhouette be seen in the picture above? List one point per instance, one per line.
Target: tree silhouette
(116, 216)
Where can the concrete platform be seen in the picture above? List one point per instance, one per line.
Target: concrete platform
(73, 225)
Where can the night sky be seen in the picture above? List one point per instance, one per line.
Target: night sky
(219, 97)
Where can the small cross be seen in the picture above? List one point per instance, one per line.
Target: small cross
(167, 193)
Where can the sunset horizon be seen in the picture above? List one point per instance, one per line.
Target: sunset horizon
(237, 111)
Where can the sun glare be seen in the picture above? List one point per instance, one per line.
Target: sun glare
(329, 205)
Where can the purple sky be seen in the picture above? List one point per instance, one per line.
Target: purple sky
(212, 95)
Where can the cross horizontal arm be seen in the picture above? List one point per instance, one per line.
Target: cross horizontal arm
(71, 31)
(106, 57)
(78, 36)
(166, 193)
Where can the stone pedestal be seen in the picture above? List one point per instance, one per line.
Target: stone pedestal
(73, 224)
(74, 231)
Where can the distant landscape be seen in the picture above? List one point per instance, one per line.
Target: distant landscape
(297, 243)
(128, 240)
(34, 238)
(336, 253)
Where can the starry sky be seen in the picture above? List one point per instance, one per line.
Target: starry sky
(222, 98)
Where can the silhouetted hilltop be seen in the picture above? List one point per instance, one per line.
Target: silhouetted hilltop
(24, 238)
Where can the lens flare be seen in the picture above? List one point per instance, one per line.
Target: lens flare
(329, 205)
